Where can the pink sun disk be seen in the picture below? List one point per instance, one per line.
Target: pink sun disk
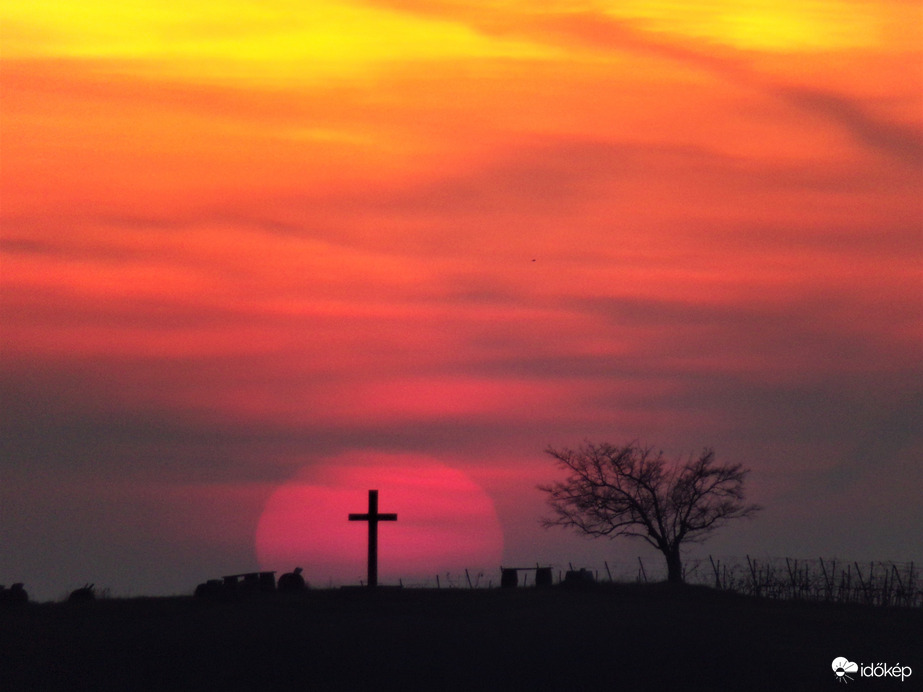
(446, 522)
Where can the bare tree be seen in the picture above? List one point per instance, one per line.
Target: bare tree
(633, 491)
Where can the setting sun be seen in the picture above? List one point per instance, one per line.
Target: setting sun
(446, 523)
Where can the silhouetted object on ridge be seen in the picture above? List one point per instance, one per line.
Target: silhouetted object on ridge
(234, 586)
(251, 583)
(543, 577)
(509, 576)
(373, 517)
(85, 593)
(237, 586)
(579, 577)
(213, 588)
(631, 491)
(292, 582)
(13, 596)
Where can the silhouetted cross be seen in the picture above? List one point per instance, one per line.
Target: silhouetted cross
(373, 517)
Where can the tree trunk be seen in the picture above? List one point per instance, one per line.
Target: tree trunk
(674, 565)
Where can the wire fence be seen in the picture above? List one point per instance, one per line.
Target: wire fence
(832, 580)
(880, 583)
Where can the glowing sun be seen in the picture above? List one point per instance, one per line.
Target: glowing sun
(446, 522)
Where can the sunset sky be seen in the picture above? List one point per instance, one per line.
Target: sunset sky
(257, 249)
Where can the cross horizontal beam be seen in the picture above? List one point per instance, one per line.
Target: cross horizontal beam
(379, 517)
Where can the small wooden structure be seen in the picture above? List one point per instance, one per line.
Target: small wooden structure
(509, 576)
(543, 576)
(250, 582)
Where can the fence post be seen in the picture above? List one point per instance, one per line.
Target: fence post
(754, 585)
(885, 598)
(900, 584)
(862, 582)
(910, 587)
(791, 577)
(828, 587)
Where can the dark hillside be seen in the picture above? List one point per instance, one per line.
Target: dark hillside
(613, 638)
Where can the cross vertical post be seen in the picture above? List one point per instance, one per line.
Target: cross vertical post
(373, 517)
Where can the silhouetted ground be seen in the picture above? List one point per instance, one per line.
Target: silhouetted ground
(614, 637)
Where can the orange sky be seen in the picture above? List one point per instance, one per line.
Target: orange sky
(242, 239)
